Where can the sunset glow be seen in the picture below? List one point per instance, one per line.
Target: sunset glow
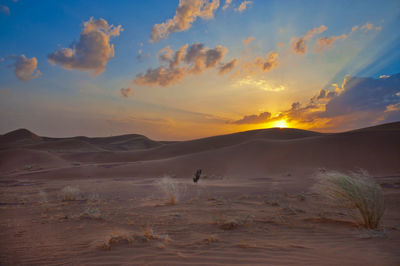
(280, 124)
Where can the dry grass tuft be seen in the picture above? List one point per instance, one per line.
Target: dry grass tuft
(70, 193)
(43, 197)
(211, 239)
(230, 224)
(173, 190)
(357, 190)
(117, 238)
(149, 234)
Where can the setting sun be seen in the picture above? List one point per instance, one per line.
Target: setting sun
(281, 124)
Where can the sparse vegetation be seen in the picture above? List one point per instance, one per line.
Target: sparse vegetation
(272, 202)
(149, 234)
(173, 190)
(43, 196)
(229, 224)
(117, 238)
(28, 167)
(91, 213)
(211, 239)
(70, 193)
(357, 190)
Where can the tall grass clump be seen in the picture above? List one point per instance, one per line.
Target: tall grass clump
(356, 190)
(173, 190)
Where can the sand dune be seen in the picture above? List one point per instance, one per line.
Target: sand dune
(254, 152)
(18, 137)
(253, 205)
(19, 159)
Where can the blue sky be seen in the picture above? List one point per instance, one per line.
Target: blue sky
(263, 84)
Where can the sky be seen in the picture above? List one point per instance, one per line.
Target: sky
(178, 70)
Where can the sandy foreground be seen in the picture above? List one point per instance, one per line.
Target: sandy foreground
(106, 201)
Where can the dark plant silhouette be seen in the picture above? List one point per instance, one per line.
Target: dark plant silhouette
(197, 175)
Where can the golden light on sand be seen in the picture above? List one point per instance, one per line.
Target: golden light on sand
(281, 124)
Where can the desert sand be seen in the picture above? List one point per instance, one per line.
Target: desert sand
(105, 201)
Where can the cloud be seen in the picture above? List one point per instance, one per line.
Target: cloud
(125, 92)
(253, 119)
(186, 61)
(326, 42)
(227, 4)
(243, 6)
(200, 58)
(162, 76)
(269, 63)
(186, 13)
(177, 58)
(358, 102)
(369, 26)
(361, 94)
(24, 68)
(261, 84)
(165, 53)
(299, 44)
(92, 51)
(248, 41)
(225, 68)
(366, 27)
(258, 64)
(325, 95)
(5, 10)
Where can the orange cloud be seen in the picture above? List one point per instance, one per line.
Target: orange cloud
(186, 13)
(243, 6)
(25, 68)
(225, 68)
(248, 41)
(253, 119)
(92, 51)
(326, 42)
(227, 4)
(186, 61)
(268, 63)
(299, 44)
(125, 92)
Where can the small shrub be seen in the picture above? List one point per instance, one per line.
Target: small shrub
(28, 167)
(43, 196)
(173, 190)
(70, 193)
(357, 190)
